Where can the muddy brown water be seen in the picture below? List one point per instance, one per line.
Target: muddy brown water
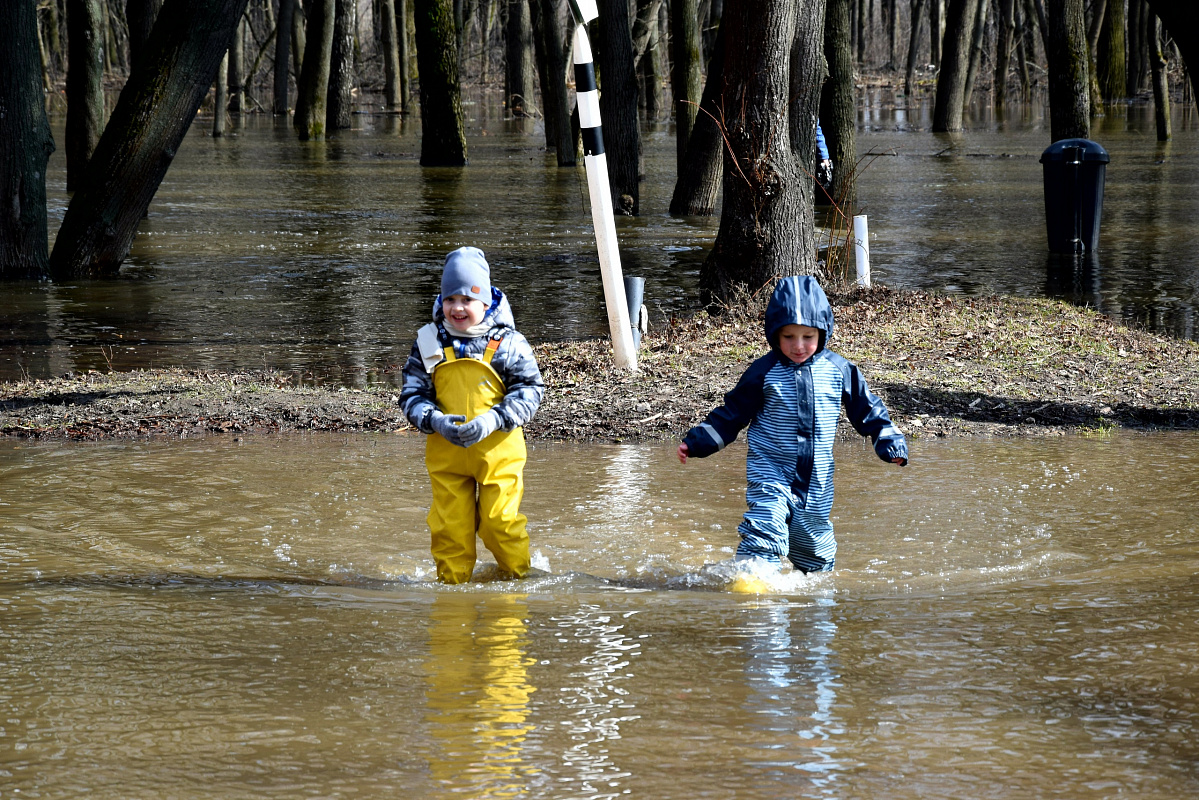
(257, 618)
(322, 258)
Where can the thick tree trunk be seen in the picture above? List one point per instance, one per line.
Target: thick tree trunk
(518, 73)
(282, 55)
(698, 186)
(766, 230)
(550, 43)
(1069, 105)
(341, 68)
(1161, 80)
(618, 105)
(955, 63)
(85, 85)
(977, 46)
(838, 105)
(909, 81)
(1005, 29)
(313, 87)
(443, 138)
(25, 132)
(389, 43)
(936, 30)
(220, 97)
(685, 77)
(1110, 60)
(139, 17)
(155, 110)
(237, 70)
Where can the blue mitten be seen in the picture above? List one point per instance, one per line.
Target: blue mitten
(447, 426)
(479, 428)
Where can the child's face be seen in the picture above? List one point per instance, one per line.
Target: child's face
(799, 342)
(463, 312)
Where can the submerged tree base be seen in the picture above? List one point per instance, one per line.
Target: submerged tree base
(945, 366)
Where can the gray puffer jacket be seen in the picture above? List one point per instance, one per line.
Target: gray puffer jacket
(513, 361)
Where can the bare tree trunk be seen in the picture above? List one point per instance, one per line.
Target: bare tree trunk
(1024, 51)
(25, 132)
(1181, 21)
(299, 41)
(698, 186)
(838, 104)
(85, 85)
(618, 105)
(550, 40)
(1161, 80)
(388, 41)
(220, 97)
(282, 55)
(155, 110)
(405, 53)
(1005, 26)
(341, 68)
(313, 89)
(518, 75)
(443, 137)
(955, 63)
(909, 81)
(139, 16)
(1110, 59)
(651, 72)
(766, 230)
(237, 69)
(936, 30)
(976, 50)
(892, 7)
(1069, 106)
(862, 25)
(685, 77)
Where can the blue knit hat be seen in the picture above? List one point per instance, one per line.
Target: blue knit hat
(466, 272)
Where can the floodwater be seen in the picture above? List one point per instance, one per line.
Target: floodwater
(323, 258)
(257, 618)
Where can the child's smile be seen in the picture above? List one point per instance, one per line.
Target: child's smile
(799, 342)
(463, 312)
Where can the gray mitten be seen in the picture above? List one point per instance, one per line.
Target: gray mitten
(447, 426)
(479, 428)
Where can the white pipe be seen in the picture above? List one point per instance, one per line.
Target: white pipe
(861, 249)
(623, 352)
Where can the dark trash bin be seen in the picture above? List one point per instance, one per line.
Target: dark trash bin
(1075, 170)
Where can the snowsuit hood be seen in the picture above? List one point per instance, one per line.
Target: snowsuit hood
(798, 300)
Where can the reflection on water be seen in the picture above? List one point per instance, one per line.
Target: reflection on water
(323, 257)
(257, 618)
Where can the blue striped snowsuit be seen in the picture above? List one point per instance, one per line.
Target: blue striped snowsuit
(792, 412)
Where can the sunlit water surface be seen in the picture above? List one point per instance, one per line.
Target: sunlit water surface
(322, 258)
(257, 618)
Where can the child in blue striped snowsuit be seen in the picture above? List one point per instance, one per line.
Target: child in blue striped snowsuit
(791, 400)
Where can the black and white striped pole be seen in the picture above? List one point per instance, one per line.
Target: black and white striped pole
(623, 350)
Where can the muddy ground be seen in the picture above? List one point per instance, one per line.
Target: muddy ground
(945, 366)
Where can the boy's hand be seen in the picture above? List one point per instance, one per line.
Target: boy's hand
(903, 462)
(683, 453)
(478, 429)
(447, 426)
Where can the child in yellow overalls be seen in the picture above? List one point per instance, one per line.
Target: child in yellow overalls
(471, 382)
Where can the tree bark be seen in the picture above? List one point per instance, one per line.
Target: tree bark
(155, 110)
(237, 70)
(405, 53)
(518, 73)
(341, 68)
(977, 46)
(698, 186)
(220, 97)
(862, 25)
(1069, 105)
(936, 30)
(550, 43)
(618, 105)
(313, 89)
(651, 72)
(443, 137)
(389, 43)
(283, 55)
(838, 105)
(685, 77)
(955, 63)
(909, 81)
(299, 40)
(1110, 60)
(1161, 80)
(766, 230)
(25, 132)
(1005, 26)
(1135, 47)
(85, 85)
(1181, 21)
(139, 17)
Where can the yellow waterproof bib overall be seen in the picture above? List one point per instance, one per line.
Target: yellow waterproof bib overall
(492, 467)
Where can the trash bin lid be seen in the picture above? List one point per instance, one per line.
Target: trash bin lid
(1083, 149)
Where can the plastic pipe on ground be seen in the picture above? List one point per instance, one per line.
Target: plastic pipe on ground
(861, 249)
